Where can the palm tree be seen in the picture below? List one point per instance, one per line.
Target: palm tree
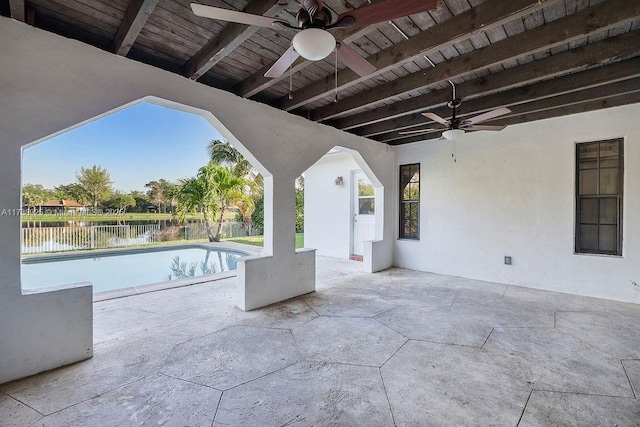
(232, 189)
(212, 191)
(222, 153)
(246, 209)
(194, 194)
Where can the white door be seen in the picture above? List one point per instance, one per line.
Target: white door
(364, 206)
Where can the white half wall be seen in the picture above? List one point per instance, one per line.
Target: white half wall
(43, 330)
(49, 84)
(512, 193)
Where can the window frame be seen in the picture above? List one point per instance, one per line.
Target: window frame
(403, 202)
(372, 197)
(619, 196)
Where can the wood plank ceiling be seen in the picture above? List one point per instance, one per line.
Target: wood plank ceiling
(539, 58)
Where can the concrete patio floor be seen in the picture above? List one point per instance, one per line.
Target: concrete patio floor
(393, 348)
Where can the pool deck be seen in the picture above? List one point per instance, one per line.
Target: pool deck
(393, 348)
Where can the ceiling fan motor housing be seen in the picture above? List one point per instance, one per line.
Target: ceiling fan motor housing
(311, 17)
(455, 123)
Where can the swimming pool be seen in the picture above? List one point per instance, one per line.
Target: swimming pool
(118, 269)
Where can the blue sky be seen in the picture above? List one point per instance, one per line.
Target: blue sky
(142, 143)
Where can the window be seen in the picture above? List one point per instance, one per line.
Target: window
(410, 201)
(599, 171)
(366, 197)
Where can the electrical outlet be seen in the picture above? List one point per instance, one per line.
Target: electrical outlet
(507, 260)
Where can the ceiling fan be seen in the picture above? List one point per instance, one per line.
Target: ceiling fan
(455, 126)
(314, 21)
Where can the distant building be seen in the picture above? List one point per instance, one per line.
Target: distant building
(60, 206)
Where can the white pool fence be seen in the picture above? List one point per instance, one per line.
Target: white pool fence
(56, 239)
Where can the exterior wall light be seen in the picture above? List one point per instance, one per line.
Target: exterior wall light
(339, 180)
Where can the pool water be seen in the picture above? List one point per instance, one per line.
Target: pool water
(118, 269)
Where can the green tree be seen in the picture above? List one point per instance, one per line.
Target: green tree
(126, 201)
(232, 189)
(211, 192)
(96, 182)
(257, 217)
(141, 199)
(72, 192)
(198, 194)
(34, 194)
(300, 204)
(223, 154)
(120, 201)
(162, 194)
(299, 210)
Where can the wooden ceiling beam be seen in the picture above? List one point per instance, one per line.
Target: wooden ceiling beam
(230, 37)
(577, 107)
(17, 9)
(571, 28)
(591, 78)
(134, 19)
(564, 108)
(575, 96)
(257, 82)
(576, 59)
(483, 17)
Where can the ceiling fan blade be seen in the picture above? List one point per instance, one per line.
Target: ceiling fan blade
(233, 16)
(388, 10)
(484, 127)
(344, 22)
(486, 116)
(351, 59)
(413, 132)
(436, 118)
(282, 63)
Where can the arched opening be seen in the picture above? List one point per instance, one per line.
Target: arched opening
(343, 205)
(151, 192)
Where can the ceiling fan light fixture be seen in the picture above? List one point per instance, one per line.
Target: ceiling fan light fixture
(452, 134)
(314, 44)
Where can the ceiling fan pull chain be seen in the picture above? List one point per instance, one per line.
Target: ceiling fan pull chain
(453, 150)
(335, 98)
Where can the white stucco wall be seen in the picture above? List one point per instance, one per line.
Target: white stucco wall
(329, 210)
(327, 207)
(512, 193)
(49, 84)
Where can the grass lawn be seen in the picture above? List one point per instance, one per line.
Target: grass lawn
(259, 240)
